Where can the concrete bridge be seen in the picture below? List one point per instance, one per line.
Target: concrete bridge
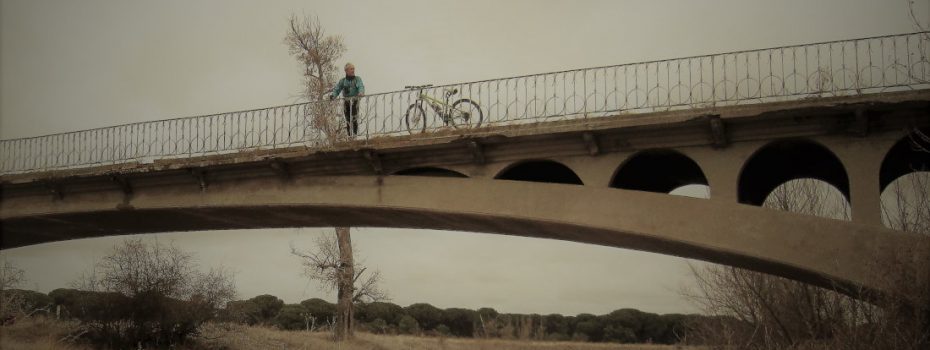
(599, 177)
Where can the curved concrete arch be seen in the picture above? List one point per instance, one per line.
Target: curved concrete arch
(539, 170)
(745, 236)
(429, 171)
(657, 170)
(907, 155)
(783, 160)
(593, 170)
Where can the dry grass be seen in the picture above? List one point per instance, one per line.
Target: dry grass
(38, 333)
(42, 333)
(235, 337)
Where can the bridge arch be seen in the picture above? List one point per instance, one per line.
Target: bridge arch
(429, 171)
(540, 170)
(784, 160)
(910, 154)
(621, 218)
(658, 170)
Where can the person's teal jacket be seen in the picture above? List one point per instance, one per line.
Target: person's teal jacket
(350, 88)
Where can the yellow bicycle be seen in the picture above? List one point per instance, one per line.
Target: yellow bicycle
(461, 113)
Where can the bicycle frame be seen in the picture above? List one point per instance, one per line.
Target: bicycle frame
(442, 108)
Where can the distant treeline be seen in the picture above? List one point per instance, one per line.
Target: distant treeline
(620, 326)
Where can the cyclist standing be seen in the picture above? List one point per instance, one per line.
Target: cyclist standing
(351, 87)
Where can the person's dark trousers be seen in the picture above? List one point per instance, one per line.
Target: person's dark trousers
(351, 113)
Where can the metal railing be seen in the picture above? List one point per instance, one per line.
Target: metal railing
(838, 68)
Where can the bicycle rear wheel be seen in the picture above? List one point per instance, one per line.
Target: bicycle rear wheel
(415, 119)
(465, 113)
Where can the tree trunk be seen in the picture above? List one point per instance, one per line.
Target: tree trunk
(345, 311)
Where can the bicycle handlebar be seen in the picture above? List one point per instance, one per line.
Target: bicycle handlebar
(417, 87)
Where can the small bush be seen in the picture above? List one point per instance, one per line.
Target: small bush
(408, 325)
(443, 330)
(292, 317)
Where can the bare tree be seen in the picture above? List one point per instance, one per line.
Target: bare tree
(758, 311)
(150, 293)
(921, 138)
(10, 303)
(332, 264)
(906, 203)
(317, 52)
(308, 42)
(10, 275)
(809, 196)
(136, 267)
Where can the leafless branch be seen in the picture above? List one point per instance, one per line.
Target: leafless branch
(368, 290)
(322, 264)
(10, 275)
(757, 311)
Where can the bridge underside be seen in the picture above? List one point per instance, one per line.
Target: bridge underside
(733, 234)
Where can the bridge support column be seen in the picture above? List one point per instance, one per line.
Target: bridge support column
(863, 160)
(865, 197)
(722, 169)
(724, 184)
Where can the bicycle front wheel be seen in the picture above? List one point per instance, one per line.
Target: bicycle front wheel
(415, 118)
(465, 113)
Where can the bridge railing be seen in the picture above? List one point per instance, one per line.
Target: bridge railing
(837, 68)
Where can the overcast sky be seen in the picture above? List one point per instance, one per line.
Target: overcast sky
(71, 65)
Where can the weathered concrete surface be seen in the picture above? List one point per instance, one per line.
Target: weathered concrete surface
(820, 251)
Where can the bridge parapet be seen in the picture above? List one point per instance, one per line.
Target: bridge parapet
(789, 73)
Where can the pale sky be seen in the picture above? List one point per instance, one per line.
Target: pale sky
(72, 65)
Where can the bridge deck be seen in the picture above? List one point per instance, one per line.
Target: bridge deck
(837, 115)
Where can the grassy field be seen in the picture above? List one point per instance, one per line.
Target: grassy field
(39, 333)
(235, 337)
